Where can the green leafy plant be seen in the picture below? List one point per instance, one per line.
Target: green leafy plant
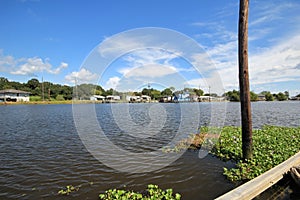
(153, 192)
(68, 190)
(272, 145)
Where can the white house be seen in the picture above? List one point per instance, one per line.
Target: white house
(14, 95)
(145, 98)
(112, 98)
(97, 98)
(132, 99)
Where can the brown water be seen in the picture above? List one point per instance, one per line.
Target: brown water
(41, 152)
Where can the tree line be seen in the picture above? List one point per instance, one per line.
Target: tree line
(264, 95)
(50, 91)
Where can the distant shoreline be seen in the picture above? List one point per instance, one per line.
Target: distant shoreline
(46, 102)
(86, 102)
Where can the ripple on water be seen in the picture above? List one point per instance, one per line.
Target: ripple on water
(41, 152)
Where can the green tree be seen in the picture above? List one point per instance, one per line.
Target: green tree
(36, 92)
(66, 91)
(172, 88)
(253, 96)
(137, 94)
(269, 96)
(167, 92)
(213, 94)
(155, 94)
(233, 95)
(60, 97)
(33, 83)
(99, 90)
(146, 91)
(3, 83)
(109, 92)
(281, 97)
(198, 92)
(287, 94)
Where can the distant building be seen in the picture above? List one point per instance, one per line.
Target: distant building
(295, 98)
(138, 99)
(97, 98)
(166, 99)
(145, 98)
(133, 99)
(204, 98)
(13, 95)
(185, 97)
(112, 99)
(261, 97)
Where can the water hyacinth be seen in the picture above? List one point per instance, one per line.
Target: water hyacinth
(271, 146)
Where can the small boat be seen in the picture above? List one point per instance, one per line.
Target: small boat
(295, 172)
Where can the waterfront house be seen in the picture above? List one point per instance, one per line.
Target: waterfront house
(145, 98)
(97, 98)
(185, 97)
(13, 95)
(295, 98)
(261, 97)
(133, 99)
(138, 99)
(112, 99)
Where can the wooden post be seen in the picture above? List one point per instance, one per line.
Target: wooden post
(247, 145)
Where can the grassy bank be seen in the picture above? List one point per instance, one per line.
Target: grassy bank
(272, 145)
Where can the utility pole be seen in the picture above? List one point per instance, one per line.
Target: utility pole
(149, 93)
(43, 95)
(76, 90)
(247, 145)
(209, 93)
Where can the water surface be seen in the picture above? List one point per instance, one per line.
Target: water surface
(41, 152)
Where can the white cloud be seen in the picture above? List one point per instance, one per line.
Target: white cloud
(33, 65)
(202, 62)
(120, 44)
(112, 82)
(149, 56)
(266, 12)
(149, 64)
(198, 82)
(150, 70)
(267, 18)
(83, 76)
(28, 66)
(278, 63)
(6, 62)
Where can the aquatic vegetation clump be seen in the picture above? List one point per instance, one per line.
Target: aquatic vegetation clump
(153, 192)
(69, 189)
(272, 145)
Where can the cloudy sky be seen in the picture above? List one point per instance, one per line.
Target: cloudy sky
(194, 43)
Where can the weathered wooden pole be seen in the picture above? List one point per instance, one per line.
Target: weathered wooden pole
(247, 145)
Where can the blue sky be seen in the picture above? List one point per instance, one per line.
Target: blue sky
(55, 39)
